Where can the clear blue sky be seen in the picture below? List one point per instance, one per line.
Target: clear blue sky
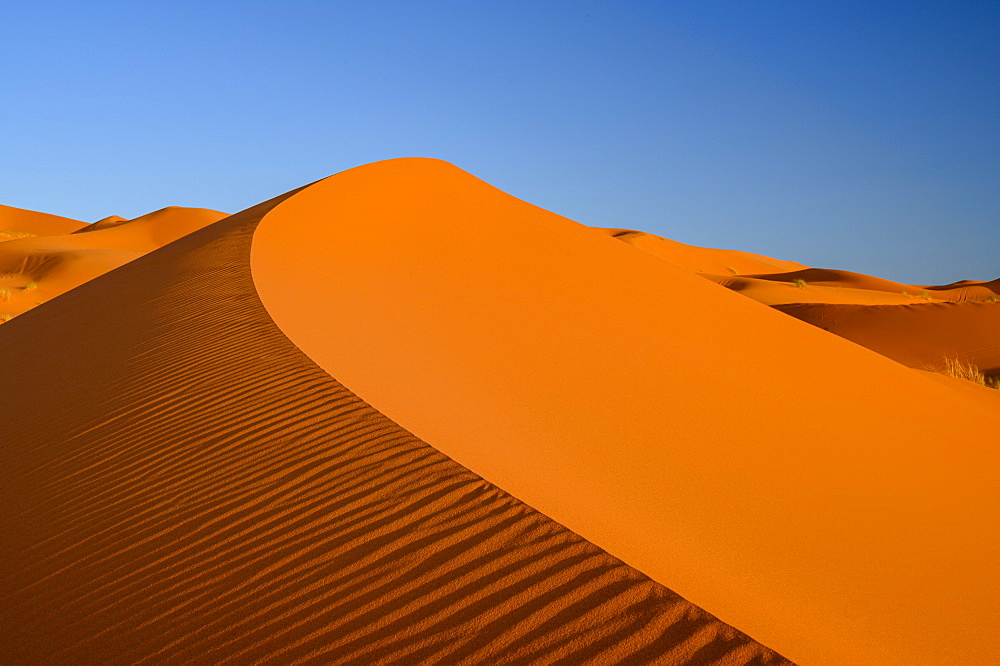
(859, 135)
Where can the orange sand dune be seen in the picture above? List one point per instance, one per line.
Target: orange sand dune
(16, 222)
(920, 336)
(701, 259)
(183, 486)
(849, 287)
(769, 281)
(785, 479)
(34, 270)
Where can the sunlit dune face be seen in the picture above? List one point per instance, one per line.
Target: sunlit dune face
(771, 471)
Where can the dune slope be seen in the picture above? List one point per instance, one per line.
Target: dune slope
(183, 486)
(785, 479)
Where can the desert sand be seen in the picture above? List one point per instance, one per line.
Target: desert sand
(17, 222)
(399, 416)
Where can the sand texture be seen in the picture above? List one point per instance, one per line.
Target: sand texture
(183, 486)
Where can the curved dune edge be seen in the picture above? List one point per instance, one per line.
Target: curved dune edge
(183, 486)
(783, 478)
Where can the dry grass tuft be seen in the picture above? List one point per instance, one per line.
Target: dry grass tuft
(800, 283)
(5, 316)
(5, 295)
(30, 286)
(8, 235)
(955, 367)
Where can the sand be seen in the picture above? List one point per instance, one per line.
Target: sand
(782, 477)
(184, 486)
(15, 222)
(917, 335)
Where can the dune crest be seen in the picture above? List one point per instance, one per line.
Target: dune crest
(770, 472)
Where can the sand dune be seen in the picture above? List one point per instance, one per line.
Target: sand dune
(34, 270)
(184, 486)
(820, 285)
(773, 473)
(366, 422)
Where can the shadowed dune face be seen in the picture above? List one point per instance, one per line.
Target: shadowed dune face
(712, 443)
(183, 486)
(36, 269)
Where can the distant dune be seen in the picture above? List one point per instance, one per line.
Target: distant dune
(38, 267)
(399, 416)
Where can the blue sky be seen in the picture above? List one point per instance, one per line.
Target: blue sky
(856, 135)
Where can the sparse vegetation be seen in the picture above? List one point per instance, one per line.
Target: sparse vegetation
(800, 283)
(926, 295)
(31, 285)
(5, 316)
(9, 235)
(992, 299)
(955, 367)
(904, 292)
(5, 295)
